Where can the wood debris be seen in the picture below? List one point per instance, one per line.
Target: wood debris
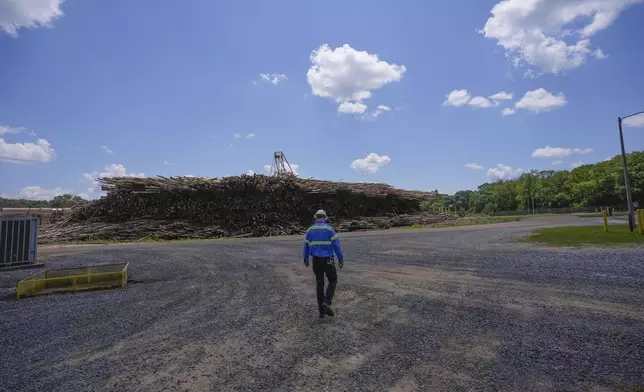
(189, 207)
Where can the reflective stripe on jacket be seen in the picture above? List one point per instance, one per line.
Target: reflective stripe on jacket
(322, 241)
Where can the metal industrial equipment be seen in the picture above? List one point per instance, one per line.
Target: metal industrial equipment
(280, 165)
(18, 240)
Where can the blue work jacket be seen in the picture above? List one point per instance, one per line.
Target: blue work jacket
(321, 241)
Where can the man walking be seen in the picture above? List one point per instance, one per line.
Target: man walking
(321, 242)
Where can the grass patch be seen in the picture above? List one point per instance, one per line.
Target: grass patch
(586, 235)
(463, 221)
(478, 220)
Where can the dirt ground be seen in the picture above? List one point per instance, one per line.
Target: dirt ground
(457, 309)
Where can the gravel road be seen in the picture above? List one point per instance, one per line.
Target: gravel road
(458, 309)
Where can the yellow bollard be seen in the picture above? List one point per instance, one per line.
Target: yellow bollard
(605, 215)
(640, 221)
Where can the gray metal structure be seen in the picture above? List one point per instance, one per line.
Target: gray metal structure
(280, 165)
(18, 240)
(627, 182)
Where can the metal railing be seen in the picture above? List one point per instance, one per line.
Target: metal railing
(560, 210)
(35, 211)
(45, 214)
(74, 279)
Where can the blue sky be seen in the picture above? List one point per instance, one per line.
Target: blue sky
(358, 91)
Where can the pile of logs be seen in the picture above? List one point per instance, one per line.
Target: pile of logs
(257, 205)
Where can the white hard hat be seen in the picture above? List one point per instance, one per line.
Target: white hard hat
(320, 213)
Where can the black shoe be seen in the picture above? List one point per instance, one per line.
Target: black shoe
(328, 310)
(322, 314)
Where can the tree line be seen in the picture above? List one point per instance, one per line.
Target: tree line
(62, 201)
(595, 185)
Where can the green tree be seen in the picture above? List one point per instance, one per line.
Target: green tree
(600, 184)
(63, 201)
(66, 201)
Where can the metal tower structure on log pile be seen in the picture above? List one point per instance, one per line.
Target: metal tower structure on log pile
(280, 165)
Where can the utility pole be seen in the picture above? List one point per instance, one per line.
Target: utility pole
(627, 181)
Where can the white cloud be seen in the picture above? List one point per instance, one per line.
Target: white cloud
(16, 14)
(238, 135)
(559, 152)
(551, 35)
(557, 162)
(635, 121)
(5, 129)
(168, 163)
(530, 74)
(457, 98)
(111, 170)
(380, 110)
(503, 172)
(481, 102)
(541, 100)
(250, 172)
(35, 192)
(370, 164)
(474, 166)
(273, 78)
(189, 175)
(107, 149)
(576, 164)
(40, 151)
(118, 170)
(347, 75)
(352, 107)
(501, 96)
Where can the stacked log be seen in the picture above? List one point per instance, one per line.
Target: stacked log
(257, 205)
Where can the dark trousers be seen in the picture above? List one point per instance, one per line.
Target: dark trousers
(322, 266)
